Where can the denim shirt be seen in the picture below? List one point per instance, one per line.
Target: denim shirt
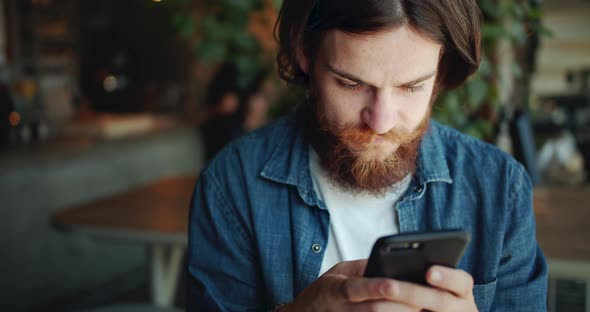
(257, 231)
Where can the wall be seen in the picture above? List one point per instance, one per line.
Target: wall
(567, 49)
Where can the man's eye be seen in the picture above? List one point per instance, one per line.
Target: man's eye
(348, 85)
(414, 89)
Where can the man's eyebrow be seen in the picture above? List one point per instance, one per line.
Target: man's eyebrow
(355, 79)
(346, 75)
(419, 80)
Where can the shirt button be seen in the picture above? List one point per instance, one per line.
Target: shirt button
(316, 248)
(418, 189)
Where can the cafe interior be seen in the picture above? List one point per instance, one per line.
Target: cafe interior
(110, 109)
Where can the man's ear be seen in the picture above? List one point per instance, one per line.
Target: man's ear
(303, 62)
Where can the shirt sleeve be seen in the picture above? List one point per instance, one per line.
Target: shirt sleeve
(522, 274)
(222, 271)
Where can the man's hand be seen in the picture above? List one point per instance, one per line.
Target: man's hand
(452, 290)
(343, 288)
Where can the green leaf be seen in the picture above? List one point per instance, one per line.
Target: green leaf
(519, 33)
(248, 68)
(494, 31)
(452, 102)
(518, 11)
(178, 19)
(245, 42)
(458, 119)
(187, 29)
(240, 4)
(535, 14)
(517, 71)
(490, 8)
(277, 3)
(473, 131)
(477, 91)
(485, 127)
(211, 51)
(209, 24)
(236, 18)
(542, 30)
(493, 95)
(449, 109)
(485, 68)
(506, 7)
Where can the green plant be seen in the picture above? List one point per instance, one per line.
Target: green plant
(473, 108)
(221, 31)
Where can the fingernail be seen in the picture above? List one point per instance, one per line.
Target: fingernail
(435, 276)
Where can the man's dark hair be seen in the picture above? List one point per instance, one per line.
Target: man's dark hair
(453, 23)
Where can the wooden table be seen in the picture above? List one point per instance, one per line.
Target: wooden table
(563, 222)
(563, 231)
(155, 214)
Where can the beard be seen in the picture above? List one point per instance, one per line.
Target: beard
(348, 156)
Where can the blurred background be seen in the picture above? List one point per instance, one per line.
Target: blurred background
(109, 109)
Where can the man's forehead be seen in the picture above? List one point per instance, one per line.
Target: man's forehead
(393, 56)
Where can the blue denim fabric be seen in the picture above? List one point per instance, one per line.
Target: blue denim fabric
(255, 217)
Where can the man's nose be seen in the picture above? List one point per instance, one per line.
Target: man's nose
(381, 113)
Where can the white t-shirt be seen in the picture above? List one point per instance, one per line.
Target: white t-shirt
(356, 220)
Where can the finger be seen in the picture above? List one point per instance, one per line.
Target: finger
(360, 289)
(425, 297)
(383, 305)
(349, 268)
(456, 281)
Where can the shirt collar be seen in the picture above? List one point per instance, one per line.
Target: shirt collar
(432, 163)
(289, 163)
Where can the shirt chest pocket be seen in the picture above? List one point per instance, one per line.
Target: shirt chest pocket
(484, 295)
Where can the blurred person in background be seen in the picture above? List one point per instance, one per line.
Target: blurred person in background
(231, 110)
(281, 217)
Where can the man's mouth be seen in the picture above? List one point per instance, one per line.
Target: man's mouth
(378, 138)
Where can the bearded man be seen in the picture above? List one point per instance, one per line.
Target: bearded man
(285, 217)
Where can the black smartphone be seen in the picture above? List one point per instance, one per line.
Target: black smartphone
(408, 256)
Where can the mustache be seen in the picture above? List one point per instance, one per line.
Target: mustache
(359, 134)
